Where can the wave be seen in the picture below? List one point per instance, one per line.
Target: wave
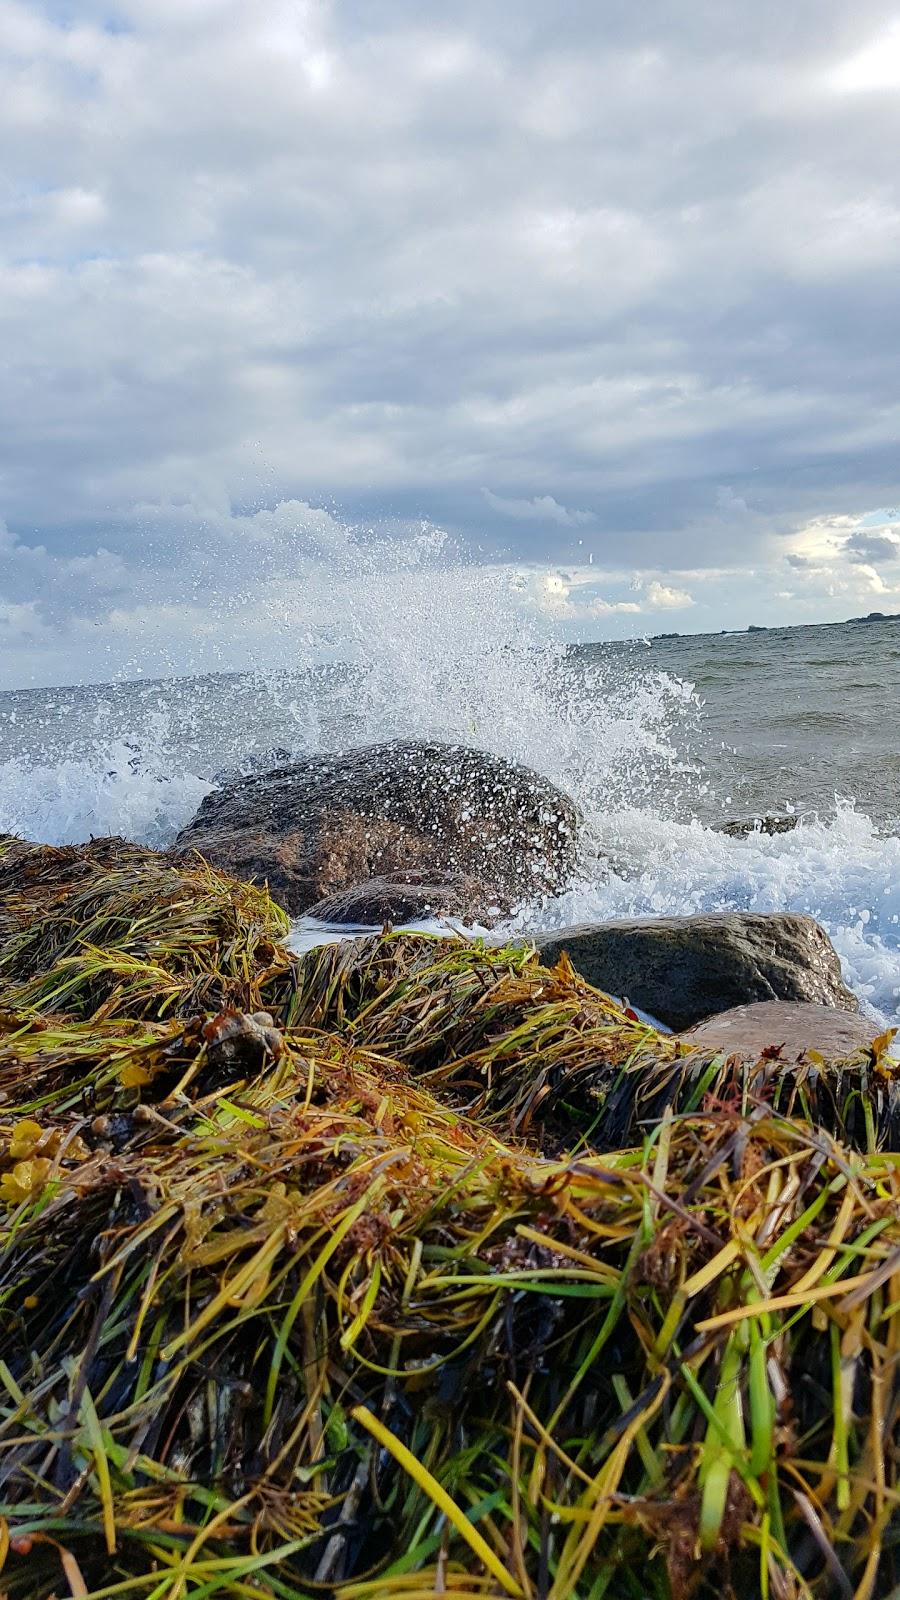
(111, 792)
(423, 645)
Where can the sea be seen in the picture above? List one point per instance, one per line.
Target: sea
(661, 741)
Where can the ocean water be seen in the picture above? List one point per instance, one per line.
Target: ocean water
(660, 741)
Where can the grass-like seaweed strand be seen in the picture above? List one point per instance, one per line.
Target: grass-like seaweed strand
(411, 1268)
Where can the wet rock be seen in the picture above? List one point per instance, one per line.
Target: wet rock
(387, 811)
(793, 1027)
(414, 899)
(684, 969)
(744, 827)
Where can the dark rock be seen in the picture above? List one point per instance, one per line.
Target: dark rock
(794, 1026)
(683, 969)
(416, 898)
(743, 827)
(386, 811)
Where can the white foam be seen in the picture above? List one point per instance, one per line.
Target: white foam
(842, 872)
(69, 801)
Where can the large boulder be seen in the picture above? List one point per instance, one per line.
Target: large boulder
(791, 1027)
(683, 969)
(388, 811)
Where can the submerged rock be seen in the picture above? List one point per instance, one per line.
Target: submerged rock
(791, 1026)
(414, 898)
(744, 827)
(387, 811)
(684, 969)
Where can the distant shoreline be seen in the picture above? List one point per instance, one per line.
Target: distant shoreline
(575, 645)
(755, 627)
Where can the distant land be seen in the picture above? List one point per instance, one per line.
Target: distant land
(779, 627)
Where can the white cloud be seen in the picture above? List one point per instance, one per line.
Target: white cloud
(79, 207)
(598, 607)
(875, 67)
(256, 259)
(873, 579)
(665, 597)
(543, 508)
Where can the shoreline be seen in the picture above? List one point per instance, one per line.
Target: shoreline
(353, 1245)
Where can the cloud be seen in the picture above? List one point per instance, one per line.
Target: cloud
(874, 545)
(875, 67)
(599, 607)
(874, 580)
(543, 508)
(371, 259)
(663, 597)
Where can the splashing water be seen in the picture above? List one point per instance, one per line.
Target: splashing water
(841, 871)
(378, 638)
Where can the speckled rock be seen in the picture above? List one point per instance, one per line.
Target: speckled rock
(323, 825)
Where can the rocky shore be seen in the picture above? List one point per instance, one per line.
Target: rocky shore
(417, 1265)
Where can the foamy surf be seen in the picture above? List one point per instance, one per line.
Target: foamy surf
(74, 799)
(428, 647)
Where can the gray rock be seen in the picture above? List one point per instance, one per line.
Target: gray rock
(794, 1026)
(744, 827)
(683, 969)
(385, 811)
(418, 897)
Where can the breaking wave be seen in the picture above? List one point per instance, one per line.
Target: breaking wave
(400, 639)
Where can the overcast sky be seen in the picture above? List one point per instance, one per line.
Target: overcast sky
(609, 292)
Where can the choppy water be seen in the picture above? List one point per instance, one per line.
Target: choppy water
(657, 741)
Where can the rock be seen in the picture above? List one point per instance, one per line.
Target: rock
(683, 969)
(795, 1026)
(743, 827)
(414, 899)
(386, 811)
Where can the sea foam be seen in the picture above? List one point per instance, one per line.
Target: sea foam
(433, 647)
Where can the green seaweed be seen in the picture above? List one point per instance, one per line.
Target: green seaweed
(320, 1276)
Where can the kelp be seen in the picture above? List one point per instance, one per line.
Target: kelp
(280, 1317)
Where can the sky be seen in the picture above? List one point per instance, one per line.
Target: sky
(598, 297)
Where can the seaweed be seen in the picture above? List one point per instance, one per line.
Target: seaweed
(318, 1277)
